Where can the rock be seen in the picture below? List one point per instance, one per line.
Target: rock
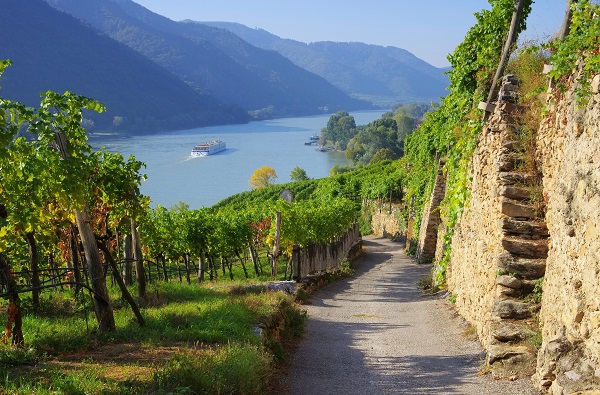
(530, 269)
(524, 228)
(506, 162)
(509, 332)
(525, 248)
(510, 178)
(513, 192)
(508, 354)
(509, 282)
(511, 309)
(595, 85)
(515, 209)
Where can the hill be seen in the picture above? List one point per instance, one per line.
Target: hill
(214, 61)
(51, 50)
(382, 75)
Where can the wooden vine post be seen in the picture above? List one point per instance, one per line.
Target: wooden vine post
(102, 307)
(139, 260)
(276, 243)
(508, 44)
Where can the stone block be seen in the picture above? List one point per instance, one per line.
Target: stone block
(525, 248)
(530, 229)
(508, 353)
(530, 269)
(509, 281)
(596, 84)
(516, 209)
(506, 162)
(514, 192)
(511, 309)
(510, 332)
(510, 178)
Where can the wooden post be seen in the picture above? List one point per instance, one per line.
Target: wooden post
(103, 309)
(35, 273)
(124, 291)
(276, 243)
(127, 259)
(136, 247)
(296, 263)
(566, 25)
(510, 41)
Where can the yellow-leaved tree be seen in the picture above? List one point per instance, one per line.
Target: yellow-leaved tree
(262, 177)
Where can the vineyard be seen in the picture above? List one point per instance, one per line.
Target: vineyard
(73, 221)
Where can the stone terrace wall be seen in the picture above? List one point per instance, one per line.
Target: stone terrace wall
(385, 223)
(476, 242)
(569, 146)
(499, 247)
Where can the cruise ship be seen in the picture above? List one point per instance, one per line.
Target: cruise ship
(208, 148)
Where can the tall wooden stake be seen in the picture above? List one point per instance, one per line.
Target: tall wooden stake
(508, 44)
(276, 243)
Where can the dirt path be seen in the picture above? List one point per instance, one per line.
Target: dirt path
(375, 333)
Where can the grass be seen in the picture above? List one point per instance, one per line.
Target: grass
(196, 340)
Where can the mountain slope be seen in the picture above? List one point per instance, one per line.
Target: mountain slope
(361, 70)
(51, 50)
(214, 60)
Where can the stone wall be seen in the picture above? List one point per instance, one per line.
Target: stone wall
(499, 247)
(385, 222)
(569, 148)
(428, 233)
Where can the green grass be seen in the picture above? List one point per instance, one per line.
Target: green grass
(196, 340)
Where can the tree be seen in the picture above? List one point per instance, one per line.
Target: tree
(382, 154)
(341, 127)
(262, 177)
(298, 174)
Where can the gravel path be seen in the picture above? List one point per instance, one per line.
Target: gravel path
(376, 333)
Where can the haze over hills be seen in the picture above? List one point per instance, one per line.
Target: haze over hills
(214, 61)
(156, 74)
(51, 50)
(383, 75)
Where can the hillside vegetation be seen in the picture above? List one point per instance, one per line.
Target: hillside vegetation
(52, 51)
(214, 61)
(384, 76)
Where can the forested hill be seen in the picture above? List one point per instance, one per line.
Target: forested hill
(51, 50)
(384, 75)
(214, 60)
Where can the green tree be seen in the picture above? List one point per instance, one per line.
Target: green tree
(298, 174)
(341, 127)
(262, 177)
(382, 154)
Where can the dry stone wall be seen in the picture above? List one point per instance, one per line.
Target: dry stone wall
(428, 233)
(385, 220)
(569, 149)
(499, 247)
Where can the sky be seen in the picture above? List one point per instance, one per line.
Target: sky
(430, 29)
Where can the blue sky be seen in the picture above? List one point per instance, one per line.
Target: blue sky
(430, 29)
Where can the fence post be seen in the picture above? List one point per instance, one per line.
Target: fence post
(276, 243)
(296, 263)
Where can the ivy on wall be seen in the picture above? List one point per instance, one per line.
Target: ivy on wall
(450, 132)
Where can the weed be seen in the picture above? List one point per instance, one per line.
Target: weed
(345, 268)
(536, 294)
(452, 298)
(536, 340)
(425, 282)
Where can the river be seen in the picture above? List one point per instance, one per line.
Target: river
(174, 175)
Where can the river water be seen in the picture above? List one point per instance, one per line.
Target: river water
(174, 175)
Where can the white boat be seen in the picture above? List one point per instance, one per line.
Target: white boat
(208, 148)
